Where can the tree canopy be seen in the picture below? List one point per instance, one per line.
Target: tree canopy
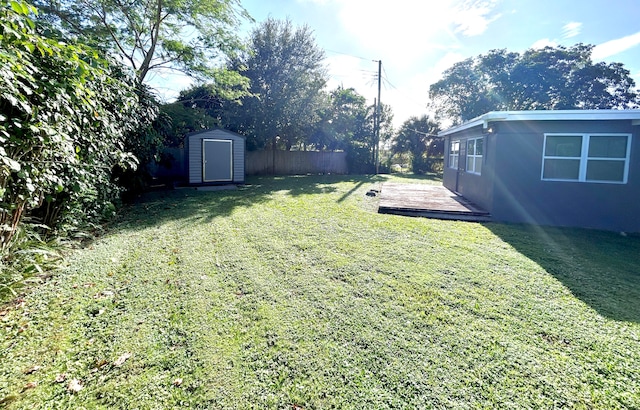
(417, 136)
(346, 123)
(344, 117)
(549, 78)
(286, 72)
(185, 35)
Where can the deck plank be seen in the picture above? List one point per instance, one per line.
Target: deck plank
(429, 201)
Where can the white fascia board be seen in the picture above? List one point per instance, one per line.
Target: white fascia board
(546, 115)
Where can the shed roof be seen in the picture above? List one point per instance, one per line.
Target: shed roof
(545, 115)
(212, 129)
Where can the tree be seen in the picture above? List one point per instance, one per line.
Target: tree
(346, 123)
(361, 148)
(286, 72)
(343, 118)
(185, 35)
(550, 78)
(417, 136)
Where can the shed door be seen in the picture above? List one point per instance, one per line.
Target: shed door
(217, 160)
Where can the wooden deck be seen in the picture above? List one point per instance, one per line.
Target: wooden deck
(429, 201)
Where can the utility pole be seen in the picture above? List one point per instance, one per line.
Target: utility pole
(375, 130)
(376, 120)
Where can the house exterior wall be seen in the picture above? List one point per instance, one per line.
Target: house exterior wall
(478, 188)
(520, 194)
(194, 156)
(511, 186)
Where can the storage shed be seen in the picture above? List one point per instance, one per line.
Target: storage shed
(215, 156)
(577, 168)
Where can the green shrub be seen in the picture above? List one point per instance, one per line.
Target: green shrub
(66, 113)
(26, 255)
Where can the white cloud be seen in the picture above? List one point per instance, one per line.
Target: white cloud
(617, 46)
(412, 26)
(408, 94)
(472, 18)
(544, 42)
(571, 29)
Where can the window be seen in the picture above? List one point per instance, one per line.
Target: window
(454, 153)
(474, 155)
(586, 157)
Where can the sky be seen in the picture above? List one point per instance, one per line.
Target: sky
(417, 40)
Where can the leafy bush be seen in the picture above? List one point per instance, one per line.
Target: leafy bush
(65, 115)
(26, 255)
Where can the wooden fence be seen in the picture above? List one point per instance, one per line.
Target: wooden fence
(295, 162)
(261, 163)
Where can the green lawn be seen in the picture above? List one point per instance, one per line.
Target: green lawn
(294, 293)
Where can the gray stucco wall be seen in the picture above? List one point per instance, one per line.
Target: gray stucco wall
(512, 190)
(520, 195)
(477, 188)
(194, 157)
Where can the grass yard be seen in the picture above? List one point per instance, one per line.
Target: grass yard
(294, 293)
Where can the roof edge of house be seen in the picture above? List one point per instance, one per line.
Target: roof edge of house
(544, 115)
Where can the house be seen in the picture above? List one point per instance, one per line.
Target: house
(578, 168)
(215, 156)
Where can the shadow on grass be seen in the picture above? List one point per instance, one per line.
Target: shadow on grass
(188, 204)
(429, 177)
(600, 268)
(351, 191)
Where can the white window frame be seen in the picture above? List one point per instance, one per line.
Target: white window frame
(474, 156)
(584, 157)
(454, 156)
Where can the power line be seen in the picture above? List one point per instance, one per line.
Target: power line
(386, 80)
(386, 77)
(420, 132)
(347, 54)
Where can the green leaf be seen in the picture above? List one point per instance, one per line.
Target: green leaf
(19, 7)
(13, 165)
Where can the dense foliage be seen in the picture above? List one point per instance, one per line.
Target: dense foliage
(537, 79)
(67, 115)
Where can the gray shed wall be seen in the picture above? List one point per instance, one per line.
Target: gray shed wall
(194, 157)
(512, 177)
